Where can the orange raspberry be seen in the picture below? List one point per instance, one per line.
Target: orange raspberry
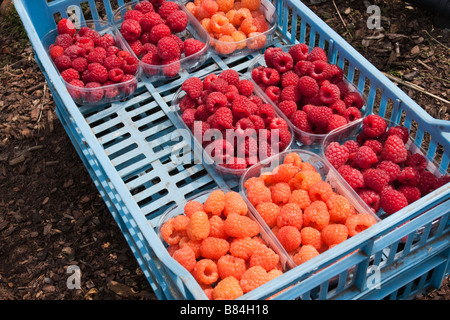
(215, 203)
(339, 208)
(316, 215)
(244, 247)
(180, 223)
(238, 226)
(207, 9)
(225, 5)
(261, 23)
(272, 274)
(209, 293)
(256, 40)
(216, 228)
(258, 193)
(308, 178)
(192, 8)
(312, 237)
(306, 252)
(264, 257)
(290, 215)
(289, 237)
(237, 5)
(230, 15)
(334, 234)
(194, 245)
(229, 265)
(281, 192)
(172, 248)
(306, 166)
(169, 234)
(300, 197)
(293, 158)
(284, 173)
(266, 177)
(251, 4)
(241, 15)
(227, 289)
(228, 30)
(234, 203)
(213, 248)
(248, 25)
(198, 226)
(269, 212)
(239, 38)
(359, 222)
(192, 206)
(205, 271)
(320, 190)
(186, 257)
(225, 45)
(217, 21)
(206, 24)
(253, 180)
(252, 278)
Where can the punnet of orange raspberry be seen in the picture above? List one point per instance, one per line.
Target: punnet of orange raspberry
(220, 244)
(386, 171)
(304, 211)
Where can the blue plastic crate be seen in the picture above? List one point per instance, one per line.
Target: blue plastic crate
(141, 165)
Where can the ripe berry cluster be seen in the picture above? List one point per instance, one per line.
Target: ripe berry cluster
(232, 25)
(302, 210)
(380, 168)
(220, 245)
(250, 129)
(153, 31)
(88, 60)
(310, 91)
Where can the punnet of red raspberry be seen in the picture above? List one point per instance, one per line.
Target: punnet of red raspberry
(374, 126)
(394, 150)
(392, 201)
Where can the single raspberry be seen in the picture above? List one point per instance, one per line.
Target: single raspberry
(149, 20)
(269, 212)
(131, 29)
(169, 234)
(105, 41)
(94, 95)
(270, 76)
(320, 190)
(334, 234)
(359, 222)
(218, 84)
(115, 75)
(264, 257)
(90, 33)
(55, 52)
(273, 93)
(158, 32)
(290, 93)
(96, 56)
(133, 15)
(289, 78)
(130, 65)
(269, 54)
(223, 119)
(352, 176)
(227, 289)
(319, 70)
(75, 89)
(167, 8)
(70, 74)
(231, 76)
(205, 271)
(186, 257)
(376, 179)
(351, 145)
(63, 62)
(245, 87)
(278, 123)
(192, 206)
(417, 161)
(374, 126)
(316, 215)
(234, 203)
(290, 215)
(168, 48)
(97, 73)
(371, 198)
(301, 68)
(329, 93)
(308, 86)
(428, 182)
(443, 180)
(282, 61)
(354, 99)
(198, 227)
(319, 116)
(305, 253)
(253, 278)
(336, 74)
(289, 237)
(240, 226)
(288, 107)
(213, 248)
(299, 52)
(65, 26)
(266, 112)
(171, 67)
(338, 107)
(400, 131)
(258, 122)
(112, 62)
(392, 201)
(188, 117)
(243, 247)
(228, 265)
(311, 236)
(337, 154)
(411, 193)
(409, 176)
(193, 87)
(336, 121)
(85, 42)
(144, 7)
(215, 203)
(317, 53)
(300, 120)
(301, 198)
(258, 193)
(339, 208)
(192, 46)
(375, 145)
(220, 150)
(391, 168)
(74, 52)
(365, 157)
(394, 150)
(136, 47)
(177, 21)
(351, 114)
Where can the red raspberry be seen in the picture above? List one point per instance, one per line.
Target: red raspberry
(115, 75)
(270, 76)
(74, 52)
(131, 29)
(133, 15)
(374, 126)
(177, 21)
(392, 201)
(336, 74)
(416, 161)
(302, 67)
(289, 78)
(365, 157)
(288, 107)
(400, 131)
(443, 180)
(215, 100)
(308, 86)
(266, 112)
(317, 53)
(158, 32)
(231, 76)
(284, 138)
(112, 62)
(65, 26)
(149, 20)
(336, 121)
(240, 107)
(258, 122)
(223, 119)
(282, 62)
(300, 120)
(337, 154)
(90, 33)
(136, 47)
(351, 145)
(97, 73)
(55, 52)
(168, 48)
(351, 114)
(427, 183)
(110, 89)
(353, 176)
(376, 179)
(192, 46)
(188, 117)
(353, 99)
(334, 234)
(299, 52)
(371, 198)
(306, 252)
(63, 62)
(409, 176)
(70, 74)
(391, 168)
(171, 67)
(273, 93)
(359, 222)
(151, 58)
(290, 93)
(167, 8)
(144, 7)
(394, 150)
(329, 93)
(94, 95)
(129, 84)
(320, 116)
(130, 65)
(411, 193)
(218, 84)
(96, 56)
(75, 93)
(85, 42)
(80, 64)
(245, 87)
(269, 54)
(319, 70)
(106, 41)
(375, 145)
(338, 107)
